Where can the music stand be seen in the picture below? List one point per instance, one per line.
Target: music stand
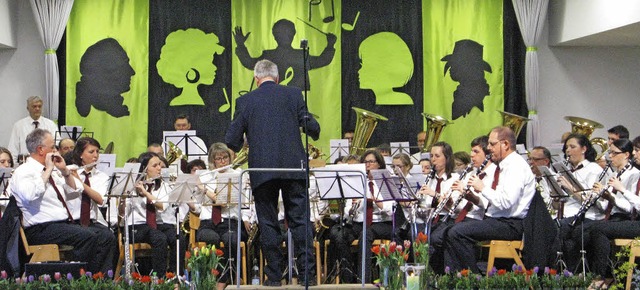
(339, 148)
(567, 174)
(399, 147)
(71, 132)
(5, 175)
(190, 144)
(556, 192)
(181, 193)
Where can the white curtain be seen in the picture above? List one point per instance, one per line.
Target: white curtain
(531, 15)
(51, 18)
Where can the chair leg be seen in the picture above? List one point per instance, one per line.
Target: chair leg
(244, 263)
(316, 245)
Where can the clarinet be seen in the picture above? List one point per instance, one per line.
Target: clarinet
(446, 199)
(467, 190)
(588, 203)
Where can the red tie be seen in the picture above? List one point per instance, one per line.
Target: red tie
(369, 217)
(434, 203)
(496, 178)
(85, 208)
(61, 199)
(151, 211)
(468, 206)
(577, 168)
(216, 215)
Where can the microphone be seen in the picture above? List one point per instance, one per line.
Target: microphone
(304, 43)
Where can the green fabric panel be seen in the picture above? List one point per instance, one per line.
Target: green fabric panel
(258, 19)
(117, 66)
(446, 22)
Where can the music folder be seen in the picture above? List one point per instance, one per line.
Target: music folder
(555, 190)
(563, 170)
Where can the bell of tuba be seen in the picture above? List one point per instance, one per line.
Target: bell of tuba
(365, 124)
(586, 127)
(174, 153)
(435, 125)
(514, 122)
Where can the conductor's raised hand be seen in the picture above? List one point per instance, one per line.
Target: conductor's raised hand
(239, 36)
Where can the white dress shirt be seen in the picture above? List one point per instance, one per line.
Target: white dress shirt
(622, 199)
(22, 128)
(137, 206)
(477, 211)
(38, 200)
(587, 176)
(209, 181)
(380, 214)
(515, 189)
(99, 181)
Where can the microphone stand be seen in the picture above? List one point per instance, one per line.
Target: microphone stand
(305, 56)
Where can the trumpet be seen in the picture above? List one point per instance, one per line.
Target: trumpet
(467, 190)
(447, 197)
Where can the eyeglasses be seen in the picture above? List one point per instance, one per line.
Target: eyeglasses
(614, 153)
(536, 158)
(221, 158)
(370, 161)
(494, 143)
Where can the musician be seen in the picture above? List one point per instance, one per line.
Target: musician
(142, 210)
(420, 138)
(622, 202)
(435, 192)
(402, 165)
(194, 165)
(271, 117)
(6, 161)
(425, 165)
(156, 148)
(23, 127)
(614, 133)
(182, 123)
(541, 156)
(219, 223)
(41, 187)
(508, 203)
(85, 210)
(379, 222)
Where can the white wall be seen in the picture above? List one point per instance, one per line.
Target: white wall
(598, 83)
(21, 70)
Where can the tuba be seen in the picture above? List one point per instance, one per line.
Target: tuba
(514, 122)
(174, 153)
(435, 125)
(365, 124)
(586, 127)
(241, 157)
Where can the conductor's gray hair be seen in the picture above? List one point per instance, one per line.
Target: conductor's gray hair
(265, 68)
(33, 99)
(35, 139)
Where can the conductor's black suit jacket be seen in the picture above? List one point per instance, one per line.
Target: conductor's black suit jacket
(271, 117)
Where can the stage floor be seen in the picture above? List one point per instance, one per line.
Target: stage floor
(296, 287)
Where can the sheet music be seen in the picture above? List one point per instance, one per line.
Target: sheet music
(399, 147)
(555, 190)
(389, 186)
(337, 181)
(339, 148)
(228, 189)
(124, 179)
(564, 171)
(185, 140)
(106, 163)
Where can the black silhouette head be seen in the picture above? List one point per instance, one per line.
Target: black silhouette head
(106, 74)
(284, 31)
(466, 61)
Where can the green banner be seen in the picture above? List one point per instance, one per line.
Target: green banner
(463, 66)
(273, 30)
(107, 72)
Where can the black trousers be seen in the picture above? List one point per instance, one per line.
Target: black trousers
(437, 244)
(82, 239)
(169, 232)
(461, 239)
(226, 232)
(106, 246)
(599, 246)
(570, 241)
(158, 241)
(295, 207)
(339, 251)
(378, 230)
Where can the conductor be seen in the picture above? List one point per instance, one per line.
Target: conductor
(271, 117)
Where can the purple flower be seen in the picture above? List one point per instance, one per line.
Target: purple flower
(536, 269)
(31, 278)
(566, 273)
(493, 272)
(46, 278)
(546, 270)
(478, 277)
(3, 274)
(110, 274)
(89, 274)
(57, 276)
(514, 267)
(69, 276)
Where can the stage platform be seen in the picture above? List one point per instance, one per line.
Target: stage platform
(296, 287)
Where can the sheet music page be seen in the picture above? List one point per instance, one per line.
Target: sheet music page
(336, 181)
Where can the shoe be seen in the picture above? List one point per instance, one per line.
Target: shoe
(271, 283)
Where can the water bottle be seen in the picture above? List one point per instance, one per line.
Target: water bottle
(255, 280)
(154, 280)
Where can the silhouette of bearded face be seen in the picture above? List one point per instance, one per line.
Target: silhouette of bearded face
(106, 74)
(283, 32)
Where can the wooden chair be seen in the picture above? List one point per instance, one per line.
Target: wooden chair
(634, 252)
(140, 250)
(44, 252)
(500, 249)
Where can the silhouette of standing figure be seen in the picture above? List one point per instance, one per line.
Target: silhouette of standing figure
(106, 75)
(288, 59)
(466, 66)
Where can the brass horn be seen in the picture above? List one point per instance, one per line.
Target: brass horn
(514, 122)
(586, 127)
(174, 153)
(241, 157)
(365, 124)
(435, 125)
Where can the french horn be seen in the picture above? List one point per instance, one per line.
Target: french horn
(366, 122)
(435, 125)
(586, 127)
